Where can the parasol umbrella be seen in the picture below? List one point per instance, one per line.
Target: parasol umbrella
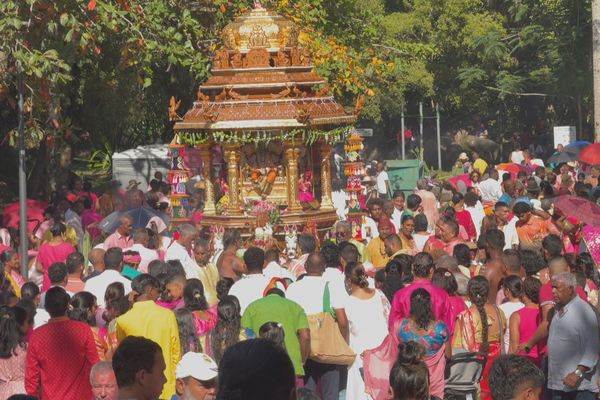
(35, 214)
(590, 154)
(141, 216)
(576, 147)
(565, 156)
(579, 208)
(513, 168)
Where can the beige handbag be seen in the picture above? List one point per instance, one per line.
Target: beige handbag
(327, 345)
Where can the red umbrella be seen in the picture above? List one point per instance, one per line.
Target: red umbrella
(513, 168)
(35, 214)
(579, 208)
(590, 154)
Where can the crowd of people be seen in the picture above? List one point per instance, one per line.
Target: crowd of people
(494, 271)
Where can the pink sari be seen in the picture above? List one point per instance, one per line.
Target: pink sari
(378, 362)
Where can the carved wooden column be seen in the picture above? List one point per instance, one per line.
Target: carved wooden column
(209, 189)
(232, 155)
(292, 153)
(325, 152)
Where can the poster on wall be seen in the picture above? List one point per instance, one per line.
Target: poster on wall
(564, 135)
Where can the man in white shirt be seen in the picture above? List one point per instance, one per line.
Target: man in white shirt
(491, 188)
(252, 286)
(309, 293)
(383, 181)
(113, 263)
(141, 240)
(509, 228)
(369, 228)
(181, 250)
(273, 269)
(398, 200)
(475, 208)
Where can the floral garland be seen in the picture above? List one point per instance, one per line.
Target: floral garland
(309, 136)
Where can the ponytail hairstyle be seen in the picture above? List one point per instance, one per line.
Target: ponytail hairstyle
(114, 291)
(409, 377)
(477, 290)
(188, 337)
(531, 289)
(356, 275)
(227, 331)
(193, 295)
(274, 332)
(514, 285)
(81, 308)
(421, 310)
(58, 229)
(11, 335)
(392, 281)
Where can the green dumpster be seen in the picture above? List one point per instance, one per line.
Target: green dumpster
(404, 174)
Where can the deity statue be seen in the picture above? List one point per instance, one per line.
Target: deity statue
(282, 59)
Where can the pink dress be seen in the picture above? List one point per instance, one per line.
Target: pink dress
(305, 195)
(89, 217)
(204, 327)
(50, 254)
(12, 374)
(464, 219)
(529, 321)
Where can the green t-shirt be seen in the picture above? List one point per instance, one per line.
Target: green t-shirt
(290, 315)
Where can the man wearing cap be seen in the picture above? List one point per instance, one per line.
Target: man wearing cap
(196, 376)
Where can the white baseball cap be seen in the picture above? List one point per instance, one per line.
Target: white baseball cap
(198, 366)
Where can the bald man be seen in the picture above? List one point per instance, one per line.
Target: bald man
(121, 238)
(96, 258)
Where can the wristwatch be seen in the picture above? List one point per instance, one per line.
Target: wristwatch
(579, 373)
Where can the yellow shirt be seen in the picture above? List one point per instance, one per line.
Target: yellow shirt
(158, 324)
(480, 165)
(376, 250)
(209, 276)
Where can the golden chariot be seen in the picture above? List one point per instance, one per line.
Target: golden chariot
(272, 119)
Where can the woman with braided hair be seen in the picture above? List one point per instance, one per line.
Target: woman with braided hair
(367, 311)
(474, 335)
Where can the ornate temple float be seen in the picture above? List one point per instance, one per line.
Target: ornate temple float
(266, 120)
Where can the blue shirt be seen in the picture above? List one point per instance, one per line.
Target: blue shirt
(505, 198)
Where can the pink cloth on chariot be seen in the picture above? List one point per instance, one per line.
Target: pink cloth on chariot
(591, 236)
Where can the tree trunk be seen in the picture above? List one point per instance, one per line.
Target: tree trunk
(596, 65)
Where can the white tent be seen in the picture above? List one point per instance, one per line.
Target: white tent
(140, 164)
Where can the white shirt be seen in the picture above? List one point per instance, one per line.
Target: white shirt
(381, 186)
(309, 292)
(98, 284)
(337, 285)
(41, 317)
(509, 308)
(516, 157)
(147, 255)
(490, 190)
(397, 218)
(369, 225)
(177, 252)
(249, 289)
(477, 215)
(274, 270)
(420, 240)
(510, 234)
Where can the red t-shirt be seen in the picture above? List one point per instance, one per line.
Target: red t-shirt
(59, 358)
(546, 294)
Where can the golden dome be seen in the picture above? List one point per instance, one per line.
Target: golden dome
(260, 28)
